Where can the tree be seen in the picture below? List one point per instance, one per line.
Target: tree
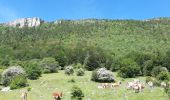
(49, 65)
(147, 67)
(129, 69)
(33, 71)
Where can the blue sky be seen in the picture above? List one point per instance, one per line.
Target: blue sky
(80, 9)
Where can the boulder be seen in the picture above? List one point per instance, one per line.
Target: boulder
(5, 89)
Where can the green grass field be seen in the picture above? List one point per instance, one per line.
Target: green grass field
(43, 88)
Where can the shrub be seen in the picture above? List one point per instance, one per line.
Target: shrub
(167, 90)
(129, 69)
(10, 73)
(102, 75)
(154, 80)
(76, 93)
(18, 82)
(69, 70)
(71, 80)
(78, 66)
(115, 65)
(33, 71)
(156, 70)
(29, 89)
(49, 65)
(149, 79)
(0, 75)
(147, 67)
(80, 72)
(163, 76)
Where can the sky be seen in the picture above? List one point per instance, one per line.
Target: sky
(51, 10)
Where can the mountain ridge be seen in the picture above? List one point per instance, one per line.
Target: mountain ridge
(36, 21)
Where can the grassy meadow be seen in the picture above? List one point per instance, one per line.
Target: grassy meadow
(43, 88)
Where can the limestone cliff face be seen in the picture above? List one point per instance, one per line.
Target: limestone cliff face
(25, 22)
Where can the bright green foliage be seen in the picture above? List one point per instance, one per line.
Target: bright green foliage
(18, 82)
(76, 93)
(163, 76)
(78, 66)
(32, 71)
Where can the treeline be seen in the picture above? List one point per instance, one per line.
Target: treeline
(92, 43)
(133, 64)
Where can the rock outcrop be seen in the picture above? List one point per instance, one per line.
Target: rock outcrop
(25, 22)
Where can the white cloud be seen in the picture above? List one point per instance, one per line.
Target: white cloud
(7, 14)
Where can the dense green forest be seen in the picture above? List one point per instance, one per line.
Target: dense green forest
(91, 42)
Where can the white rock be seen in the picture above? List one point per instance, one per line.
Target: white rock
(25, 22)
(5, 89)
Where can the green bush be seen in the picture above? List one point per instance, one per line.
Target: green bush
(33, 71)
(49, 65)
(147, 67)
(10, 73)
(29, 89)
(94, 76)
(115, 65)
(71, 80)
(0, 75)
(167, 90)
(78, 66)
(156, 70)
(149, 79)
(156, 82)
(129, 69)
(80, 72)
(102, 75)
(144, 60)
(18, 82)
(76, 93)
(163, 76)
(69, 70)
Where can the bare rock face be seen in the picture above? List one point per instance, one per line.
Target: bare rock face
(25, 22)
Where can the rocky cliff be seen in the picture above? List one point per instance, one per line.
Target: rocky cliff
(25, 22)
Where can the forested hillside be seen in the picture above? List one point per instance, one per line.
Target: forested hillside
(93, 42)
